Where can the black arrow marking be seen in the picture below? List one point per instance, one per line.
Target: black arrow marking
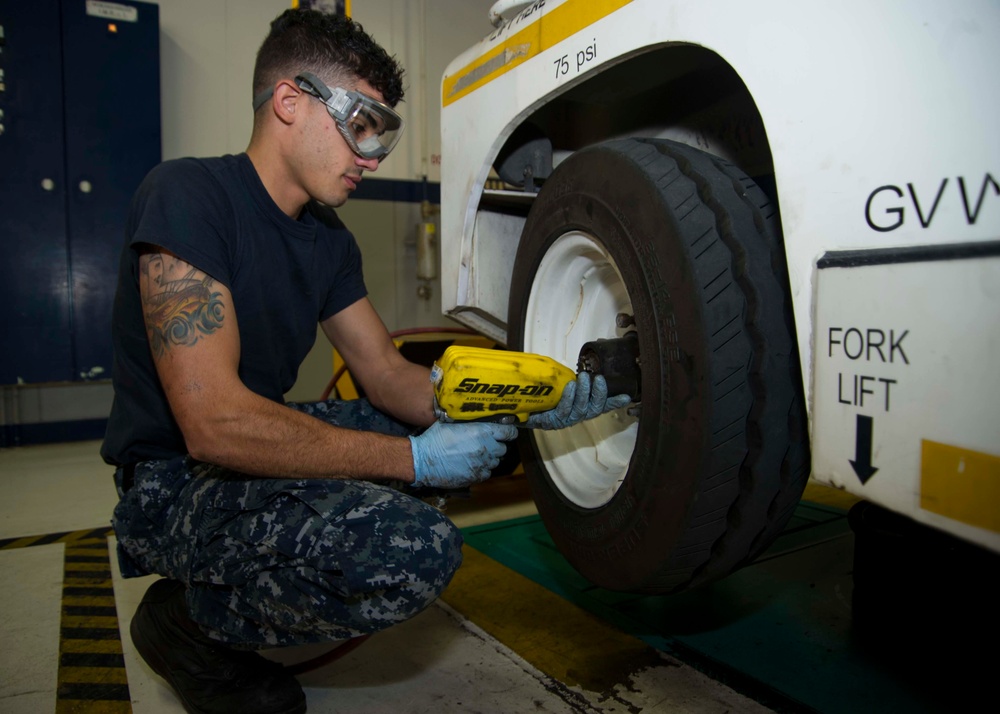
(862, 462)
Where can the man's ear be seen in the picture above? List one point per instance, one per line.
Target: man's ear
(285, 101)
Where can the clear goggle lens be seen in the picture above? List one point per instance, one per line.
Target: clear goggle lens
(370, 127)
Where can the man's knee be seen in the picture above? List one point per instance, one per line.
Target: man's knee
(445, 540)
(401, 568)
(330, 559)
(384, 546)
(421, 545)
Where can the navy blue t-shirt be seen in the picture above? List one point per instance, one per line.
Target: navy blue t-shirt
(285, 276)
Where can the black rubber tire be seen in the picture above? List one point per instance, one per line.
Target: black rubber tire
(721, 456)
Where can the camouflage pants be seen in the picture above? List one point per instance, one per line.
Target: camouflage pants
(275, 562)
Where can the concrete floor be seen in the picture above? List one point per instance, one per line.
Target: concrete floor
(457, 656)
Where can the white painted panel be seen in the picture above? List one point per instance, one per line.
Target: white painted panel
(910, 348)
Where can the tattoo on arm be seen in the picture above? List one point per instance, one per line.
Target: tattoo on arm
(179, 304)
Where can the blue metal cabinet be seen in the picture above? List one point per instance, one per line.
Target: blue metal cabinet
(34, 271)
(81, 127)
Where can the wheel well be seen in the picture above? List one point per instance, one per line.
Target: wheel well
(681, 92)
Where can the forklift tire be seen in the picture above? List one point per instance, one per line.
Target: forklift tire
(716, 456)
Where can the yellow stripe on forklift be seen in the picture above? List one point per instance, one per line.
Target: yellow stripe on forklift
(960, 484)
(557, 637)
(549, 30)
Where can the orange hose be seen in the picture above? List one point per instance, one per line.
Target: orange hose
(327, 657)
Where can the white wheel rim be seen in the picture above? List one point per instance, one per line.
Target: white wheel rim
(575, 297)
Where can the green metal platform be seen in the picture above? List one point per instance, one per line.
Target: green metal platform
(781, 630)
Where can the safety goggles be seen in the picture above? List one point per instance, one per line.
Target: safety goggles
(369, 127)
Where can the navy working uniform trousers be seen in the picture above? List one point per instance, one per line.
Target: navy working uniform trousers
(274, 562)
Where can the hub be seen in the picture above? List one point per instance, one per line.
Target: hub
(618, 360)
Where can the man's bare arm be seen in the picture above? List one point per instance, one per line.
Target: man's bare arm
(391, 382)
(194, 338)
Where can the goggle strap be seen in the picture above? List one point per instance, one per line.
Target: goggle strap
(260, 99)
(317, 84)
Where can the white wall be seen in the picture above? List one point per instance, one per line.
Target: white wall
(207, 51)
(425, 35)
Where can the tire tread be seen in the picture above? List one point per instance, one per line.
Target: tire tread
(754, 451)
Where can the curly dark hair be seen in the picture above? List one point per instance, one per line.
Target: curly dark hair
(330, 46)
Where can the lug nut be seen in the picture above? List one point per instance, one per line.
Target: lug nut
(623, 319)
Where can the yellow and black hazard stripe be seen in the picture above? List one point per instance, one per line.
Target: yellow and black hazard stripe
(92, 677)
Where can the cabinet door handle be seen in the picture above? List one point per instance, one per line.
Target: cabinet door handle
(48, 184)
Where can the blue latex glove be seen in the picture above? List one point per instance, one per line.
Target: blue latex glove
(581, 399)
(458, 455)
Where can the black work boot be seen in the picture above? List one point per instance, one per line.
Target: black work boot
(208, 677)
